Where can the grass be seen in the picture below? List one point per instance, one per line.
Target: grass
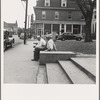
(76, 46)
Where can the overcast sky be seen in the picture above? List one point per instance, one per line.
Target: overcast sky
(13, 10)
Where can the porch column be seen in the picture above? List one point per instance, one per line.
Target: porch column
(64, 27)
(35, 30)
(51, 28)
(81, 29)
(60, 29)
(43, 29)
(72, 28)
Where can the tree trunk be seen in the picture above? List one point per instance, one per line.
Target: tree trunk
(88, 37)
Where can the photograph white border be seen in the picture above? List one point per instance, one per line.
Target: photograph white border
(50, 92)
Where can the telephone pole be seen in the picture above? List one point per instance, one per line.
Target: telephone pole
(25, 20)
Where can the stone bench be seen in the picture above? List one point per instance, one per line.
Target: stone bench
(53, 56)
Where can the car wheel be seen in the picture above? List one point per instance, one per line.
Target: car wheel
(11, 45)
(63, 39)
(78, 39)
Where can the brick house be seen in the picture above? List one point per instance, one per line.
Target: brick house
(11, 27)
(57, 15)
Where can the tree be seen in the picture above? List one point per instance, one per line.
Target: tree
(32, 28)
(20, 30)
(86, 7)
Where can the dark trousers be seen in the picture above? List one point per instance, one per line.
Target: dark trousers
(37, 52)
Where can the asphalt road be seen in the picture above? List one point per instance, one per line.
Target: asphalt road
(17, 42)
(18, 67)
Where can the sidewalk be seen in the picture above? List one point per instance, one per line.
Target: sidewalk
(18, 67)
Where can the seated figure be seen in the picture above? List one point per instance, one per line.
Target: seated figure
(41, 46)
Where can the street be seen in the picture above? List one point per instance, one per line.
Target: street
(18, 67)
(17, 42)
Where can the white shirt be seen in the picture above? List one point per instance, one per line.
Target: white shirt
(41, 43)
(51, 45)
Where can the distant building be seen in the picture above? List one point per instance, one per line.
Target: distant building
(11, 27)
(58, 15)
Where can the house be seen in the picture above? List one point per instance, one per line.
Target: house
(58, 15)
(11, 27)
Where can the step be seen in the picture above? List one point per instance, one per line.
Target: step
(88, 65)
(53, 56)
(55, 74)
(75, 74)
(41, 75)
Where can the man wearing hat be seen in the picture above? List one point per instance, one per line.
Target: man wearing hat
(50, 43)
(39, 47)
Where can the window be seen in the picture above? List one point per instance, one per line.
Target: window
(64, 3)
(56, 15)
(68, 28)
(47, 2)
(76, 29)
(69, 17)
(43, 14)
(62, 28)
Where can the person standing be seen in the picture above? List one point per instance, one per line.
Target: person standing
(41, 46)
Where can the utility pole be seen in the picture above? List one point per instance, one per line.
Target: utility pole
(25, 20)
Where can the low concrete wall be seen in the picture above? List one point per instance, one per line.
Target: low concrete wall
(53, 56)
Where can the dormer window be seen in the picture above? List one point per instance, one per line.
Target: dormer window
(43, 14)
(63, 3)
(56, 15)
(47, 2)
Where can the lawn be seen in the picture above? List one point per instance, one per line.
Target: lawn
(76, 46)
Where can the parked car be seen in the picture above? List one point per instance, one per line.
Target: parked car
(22, 36)
(69, 36)
(8, 40)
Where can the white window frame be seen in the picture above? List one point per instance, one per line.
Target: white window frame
(47, 2)
(63, 2)
(56, 14)
(43, 14)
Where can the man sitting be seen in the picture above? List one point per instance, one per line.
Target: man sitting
(41, 46)
(50, 43)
